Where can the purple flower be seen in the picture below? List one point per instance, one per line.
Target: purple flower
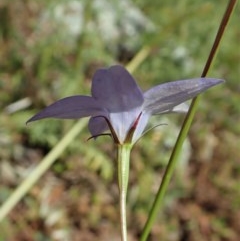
(119, 105)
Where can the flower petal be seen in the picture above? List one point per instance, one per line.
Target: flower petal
(97, 125)
(166, 96)
(116, 89)
(123, 121)
(142, 123)
(182, 108)
(72, 107)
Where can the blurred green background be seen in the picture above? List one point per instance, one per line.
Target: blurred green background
(50, 50)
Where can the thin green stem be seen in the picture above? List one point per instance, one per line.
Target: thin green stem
(138, 59)
(168, 173)
(43, 166)
(123, 174)
(185, 128)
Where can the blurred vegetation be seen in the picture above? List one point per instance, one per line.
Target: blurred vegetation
(49, 50)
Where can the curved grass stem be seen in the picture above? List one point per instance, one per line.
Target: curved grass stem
(185, 128)
(41, 168)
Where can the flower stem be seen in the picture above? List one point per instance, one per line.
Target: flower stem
(123, 173)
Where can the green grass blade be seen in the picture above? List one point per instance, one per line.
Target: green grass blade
(43, 166)
(185, 128)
